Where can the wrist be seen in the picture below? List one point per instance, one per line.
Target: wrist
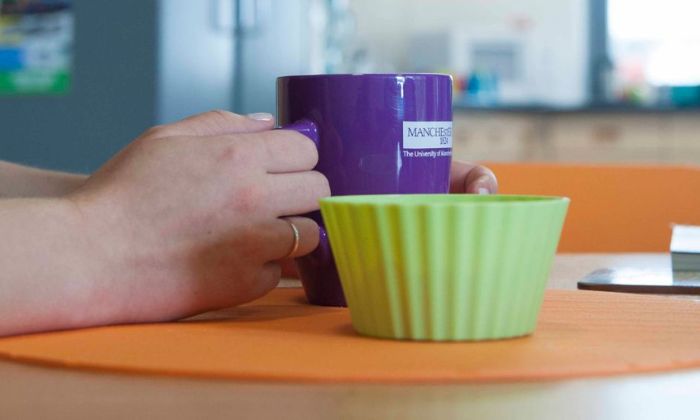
(53, 269)
(22, 181)
(104, 251)
(126, 258)
(68, 183)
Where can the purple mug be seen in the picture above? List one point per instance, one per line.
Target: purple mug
(375, 134)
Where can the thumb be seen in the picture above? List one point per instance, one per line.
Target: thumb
(216, 123)
(470, 178)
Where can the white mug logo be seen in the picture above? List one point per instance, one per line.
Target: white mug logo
(427, 134)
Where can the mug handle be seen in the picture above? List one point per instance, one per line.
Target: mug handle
(305, 127)
(309, 129)
(317, 270)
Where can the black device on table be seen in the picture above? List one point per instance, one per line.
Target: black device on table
(635, 280)
(683, 278)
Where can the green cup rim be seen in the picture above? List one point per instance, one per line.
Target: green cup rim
(432, 200)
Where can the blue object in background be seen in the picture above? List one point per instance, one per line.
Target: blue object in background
(482, 89)
(11, 59)
(685, 96)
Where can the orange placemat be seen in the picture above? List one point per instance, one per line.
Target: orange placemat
(280, 338)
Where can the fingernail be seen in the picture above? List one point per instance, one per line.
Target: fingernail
(261, 116)
(482, 185)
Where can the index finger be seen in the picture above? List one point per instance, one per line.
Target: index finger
(212, 123)
(284, 151)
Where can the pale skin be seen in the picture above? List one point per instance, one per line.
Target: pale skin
(188, 218)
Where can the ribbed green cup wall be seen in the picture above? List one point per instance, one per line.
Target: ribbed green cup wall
(444, 267)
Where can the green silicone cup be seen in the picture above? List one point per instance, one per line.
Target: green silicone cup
(444, 267)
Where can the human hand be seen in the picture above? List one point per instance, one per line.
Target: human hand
(189, 214)
(472, 179)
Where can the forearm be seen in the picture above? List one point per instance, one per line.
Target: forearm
(23, 181)
(52, 273)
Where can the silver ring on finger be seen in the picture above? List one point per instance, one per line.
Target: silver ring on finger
(296, 239)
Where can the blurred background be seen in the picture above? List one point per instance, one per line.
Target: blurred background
(535, 80)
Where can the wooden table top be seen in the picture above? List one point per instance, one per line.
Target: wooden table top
(28, 391)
